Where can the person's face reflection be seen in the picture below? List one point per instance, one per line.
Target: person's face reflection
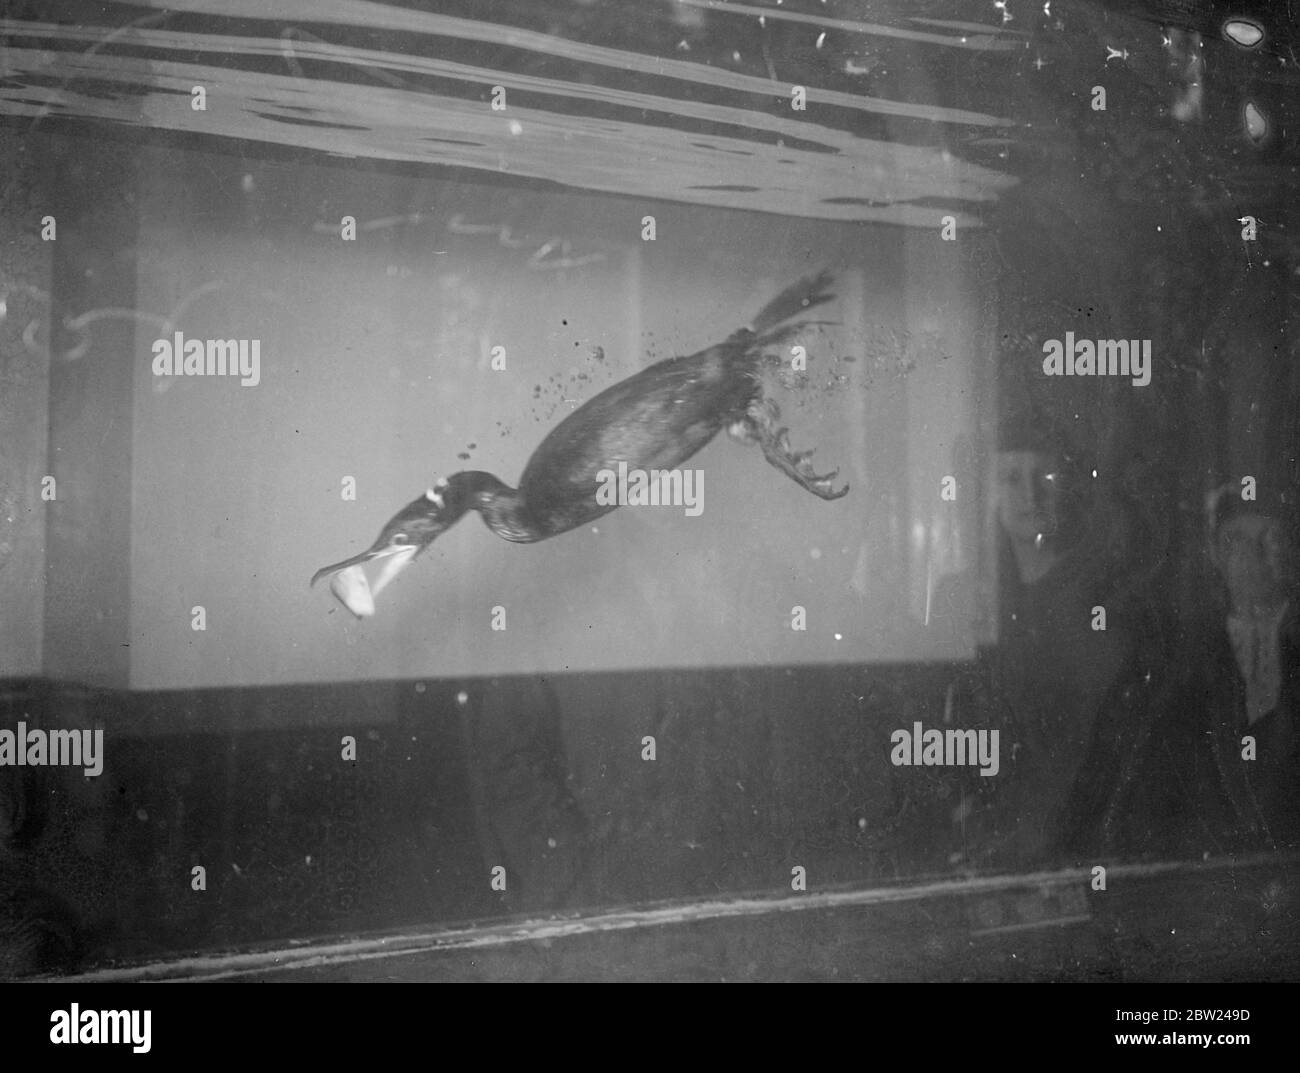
(1028, 494)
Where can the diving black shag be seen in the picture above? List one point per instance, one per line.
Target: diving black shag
(655, 419)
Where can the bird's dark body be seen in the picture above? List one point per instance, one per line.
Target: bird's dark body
(654, 420)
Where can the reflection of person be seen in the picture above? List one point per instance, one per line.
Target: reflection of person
(1028, 498)
(1053, 682)
(529, 822)
(39, 932)
(1247, 678)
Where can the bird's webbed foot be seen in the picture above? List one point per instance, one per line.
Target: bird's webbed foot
(759, 426)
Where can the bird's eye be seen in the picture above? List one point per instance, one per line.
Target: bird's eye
(398, 538)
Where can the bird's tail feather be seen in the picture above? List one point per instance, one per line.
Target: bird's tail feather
(795, 299)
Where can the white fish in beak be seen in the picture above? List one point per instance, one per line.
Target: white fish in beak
(352, 590)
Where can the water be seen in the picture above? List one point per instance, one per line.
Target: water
(431, 236)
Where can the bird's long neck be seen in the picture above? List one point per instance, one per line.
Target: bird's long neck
(502, 507)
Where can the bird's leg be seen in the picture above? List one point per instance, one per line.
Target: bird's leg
(759, 426)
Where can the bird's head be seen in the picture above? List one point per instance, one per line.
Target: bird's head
(403, 538)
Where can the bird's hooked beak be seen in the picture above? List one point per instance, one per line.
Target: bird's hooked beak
(400, 541)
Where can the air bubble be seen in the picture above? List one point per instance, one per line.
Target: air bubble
(1256, 122)
(1243, 32)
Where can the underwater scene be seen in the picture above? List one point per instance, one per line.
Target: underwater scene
(649, 490)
